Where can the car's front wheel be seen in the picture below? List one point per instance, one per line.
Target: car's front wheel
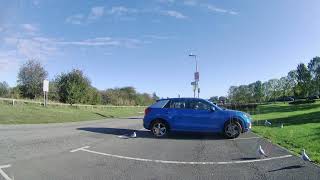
(159, 129)
(232, 129)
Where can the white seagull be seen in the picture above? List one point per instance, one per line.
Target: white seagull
(304, 156)
(267, 123)
(261, 152)
(133, 135)
(281, 125)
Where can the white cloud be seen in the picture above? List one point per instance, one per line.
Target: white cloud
(158, 37)
(213, 8)
(105, 42)
(78, 19)
(99, 41)
(42, 48)
(174, 14)
(34, 47)
(29, 27)
(197, 3)
(8, 60)
(75, 19)
(121, 10)
(96, 12)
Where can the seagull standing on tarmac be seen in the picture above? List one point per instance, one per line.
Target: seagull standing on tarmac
(261, 152)
(304, 156)
(133, 135)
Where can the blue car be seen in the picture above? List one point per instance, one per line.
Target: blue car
(194, 115)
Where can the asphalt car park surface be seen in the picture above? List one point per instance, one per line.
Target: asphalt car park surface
(93, 150)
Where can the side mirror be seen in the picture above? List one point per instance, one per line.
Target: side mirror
(212, 109)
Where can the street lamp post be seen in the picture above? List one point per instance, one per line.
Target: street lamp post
(196, 76)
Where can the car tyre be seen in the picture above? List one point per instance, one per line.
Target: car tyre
(232, 129)
(159, 129)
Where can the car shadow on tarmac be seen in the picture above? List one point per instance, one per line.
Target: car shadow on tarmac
(147, 134)
(287, 168)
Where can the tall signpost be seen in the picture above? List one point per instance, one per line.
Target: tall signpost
(45, 92)
(195, 84)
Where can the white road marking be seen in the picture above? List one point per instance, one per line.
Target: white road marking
(246, 138)
(79, 149)
(3, 174)
(181, 162)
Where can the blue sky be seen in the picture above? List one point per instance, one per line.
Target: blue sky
(145, 43)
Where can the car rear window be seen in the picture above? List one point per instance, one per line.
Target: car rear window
(159, 104)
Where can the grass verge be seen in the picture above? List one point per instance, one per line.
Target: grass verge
(35, 114)
(301, 127)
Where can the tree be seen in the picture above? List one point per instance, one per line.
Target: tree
(53, 95)
(243, 94)
(93, 96)
(314, 68)
(285, 87)
(15, 92)
(304, 79)
(73, 87)
(127, 96)
(274, 89)
(258, 91)
(292, 83)
(4, 89)
(30, 79)
(214, 99)
(231, 94)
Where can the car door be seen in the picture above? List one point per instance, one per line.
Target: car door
(203, 116)
(181, 116)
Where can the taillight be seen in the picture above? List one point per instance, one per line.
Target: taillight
(146, 111)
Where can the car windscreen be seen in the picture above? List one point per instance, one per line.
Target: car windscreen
(216, 106)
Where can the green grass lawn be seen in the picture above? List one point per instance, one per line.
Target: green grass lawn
(34, 114)
(301, 126)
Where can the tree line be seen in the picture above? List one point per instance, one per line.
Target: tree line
(302, 82)
(73, 87)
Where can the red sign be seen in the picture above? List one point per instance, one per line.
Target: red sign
(196, 76)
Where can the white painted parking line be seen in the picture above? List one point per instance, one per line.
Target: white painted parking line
(246, 138)
(79, 149)
(3, 174)
(180, 162)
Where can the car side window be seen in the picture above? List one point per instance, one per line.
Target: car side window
(178, 104)
(198, 105)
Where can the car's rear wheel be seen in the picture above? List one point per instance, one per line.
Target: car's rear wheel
(232, 129)
(159, 129)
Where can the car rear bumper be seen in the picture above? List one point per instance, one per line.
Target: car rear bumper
(145, 124)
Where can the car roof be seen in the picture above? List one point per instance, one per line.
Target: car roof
(181, 99)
